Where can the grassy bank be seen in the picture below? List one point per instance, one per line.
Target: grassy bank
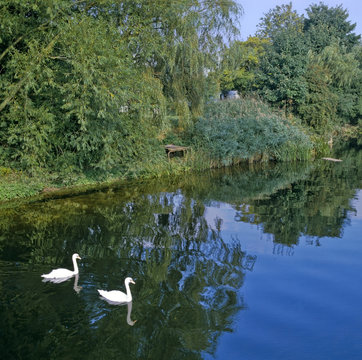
(230, 132)
(18, 185)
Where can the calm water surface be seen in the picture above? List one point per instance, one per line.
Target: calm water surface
(257, 263)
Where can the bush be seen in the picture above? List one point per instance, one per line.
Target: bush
(247, 129)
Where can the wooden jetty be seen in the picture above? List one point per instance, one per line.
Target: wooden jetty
(170, 148)
(331, 159)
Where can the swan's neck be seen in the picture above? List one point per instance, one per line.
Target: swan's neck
(76, 270)
(128, 292)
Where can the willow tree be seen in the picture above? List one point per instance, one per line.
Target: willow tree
(334, 90)
(179, 41)
(83, 83)
(334, 68)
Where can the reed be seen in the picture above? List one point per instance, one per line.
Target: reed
(248, 130)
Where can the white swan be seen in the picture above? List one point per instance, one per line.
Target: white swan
(117, 297)
(64, 273)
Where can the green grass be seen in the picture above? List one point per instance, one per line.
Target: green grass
(17, 185)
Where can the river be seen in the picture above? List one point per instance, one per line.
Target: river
(254, 262)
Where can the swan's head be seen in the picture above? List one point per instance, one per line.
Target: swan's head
(76, 256)
(129, 280)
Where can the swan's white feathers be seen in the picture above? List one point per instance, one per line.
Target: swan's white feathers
(58, 273)
(64, 273)
(116, 296)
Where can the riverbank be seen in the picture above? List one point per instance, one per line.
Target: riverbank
(20, 187)
(230, 133)
(17, 185)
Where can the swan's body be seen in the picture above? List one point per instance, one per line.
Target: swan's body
(64, 274)
(117, 297)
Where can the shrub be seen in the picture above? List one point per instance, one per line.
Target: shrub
(247, 129)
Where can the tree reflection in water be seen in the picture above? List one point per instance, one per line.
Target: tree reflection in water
(187, 278)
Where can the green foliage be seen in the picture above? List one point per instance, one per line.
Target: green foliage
(281, 18)
(240, 63)
(282, 71)
(179, 41)
(64, 112)
(4, 171)
(312, 66)
(232, 131)
(319, 109)
(324, 25)
(89, 89)
(334, 73)
(84, 85)
(282, 68)
(14, 186)
(333, 78)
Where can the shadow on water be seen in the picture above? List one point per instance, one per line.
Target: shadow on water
(187, 275)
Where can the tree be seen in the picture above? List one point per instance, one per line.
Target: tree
(281, 18)
(239, 64)
(357, 52)
(179, 41)
(320, 108)
(333, 74)
(282, 68)
(324, 25)
(84, 84)
(333, 78)
(65, 75)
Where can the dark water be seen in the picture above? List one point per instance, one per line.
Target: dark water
(259, 263)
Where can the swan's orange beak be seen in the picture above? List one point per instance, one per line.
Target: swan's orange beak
(132, 282)
(78, 257)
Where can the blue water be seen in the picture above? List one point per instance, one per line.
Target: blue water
(302, 303)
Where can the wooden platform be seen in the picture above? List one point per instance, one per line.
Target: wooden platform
(331, 159)
(170, 148)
